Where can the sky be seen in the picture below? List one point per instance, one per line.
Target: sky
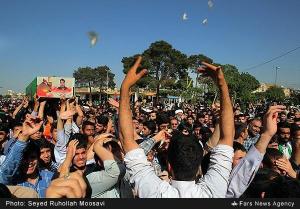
(49, 38)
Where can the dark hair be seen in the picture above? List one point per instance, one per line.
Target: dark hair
(62, 80)
(43, 143)
(185, 155)
(87, 123)
(271, 155)
(32, 148)
(102, 120)
(82, 140)
(239, 129)
(261, 183)
(151, 125)
(4, 127)
(283, 125)
(238, 146)
(282, 187)
(53, 126)
(161, 119)
(115, 148)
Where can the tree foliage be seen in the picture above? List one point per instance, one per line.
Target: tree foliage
(100, 76)
(165, 66)
(96, 77)
(275, 93)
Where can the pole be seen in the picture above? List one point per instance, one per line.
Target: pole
(106, 85)
(276, 72)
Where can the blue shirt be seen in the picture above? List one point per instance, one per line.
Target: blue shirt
(251, 141)
(42, 183)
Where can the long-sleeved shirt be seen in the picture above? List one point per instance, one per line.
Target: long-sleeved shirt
(8, 145)
(243, 173)
(251, 141)
(147, 144)
(60, 149)
(213, 184)
(9, 171)
(104, 183)
(9, 168)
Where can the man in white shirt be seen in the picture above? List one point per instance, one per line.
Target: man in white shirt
(184, 153)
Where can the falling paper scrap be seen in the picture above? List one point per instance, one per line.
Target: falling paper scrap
(93, 37)
(210, 3)
(184, 16)
(204, 22)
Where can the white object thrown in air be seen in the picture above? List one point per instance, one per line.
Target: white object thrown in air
(204, 22)
(210, 3)
(184, 16)
(93, 37)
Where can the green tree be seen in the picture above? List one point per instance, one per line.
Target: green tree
(165, 66)
(275, 93)
(94, 77)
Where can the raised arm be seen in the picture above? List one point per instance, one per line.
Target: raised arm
(125, 117)
(270, 127)
(80, 116)
(41, 110)
(23, 103)
(226, 118)
(243, 173)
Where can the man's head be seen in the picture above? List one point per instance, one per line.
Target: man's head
(201, 118)
(88, 128)
(149, 127)
(80, 158)
(239, 153)
(30, 162)
(269, 160)
(162, 122)
(152, 115)
(101, 124)
(4, 130)
(283, 117)
(206, 118)
(174, 124)
(241, 131)
(190, 120)
(37, 135)
(185, 156)
(297, 114)
(197, 131)
(284, 132)
(54, 132)
(62, 83)
(45, 151)
(242, 118)
(254, 127)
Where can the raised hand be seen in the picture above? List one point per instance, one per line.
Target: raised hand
(113, 102)
(25, 102)
(212, 71)
(30, 126)
(162, 136)
(72, 148)
(270, 120)
(67, 114)
(132, 76)
(103, 138)
(285, 165)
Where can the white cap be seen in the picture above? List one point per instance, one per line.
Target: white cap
(178, 111)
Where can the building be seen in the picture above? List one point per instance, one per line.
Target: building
(265, 86)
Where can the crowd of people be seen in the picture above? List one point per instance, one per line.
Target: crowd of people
(55, 149)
